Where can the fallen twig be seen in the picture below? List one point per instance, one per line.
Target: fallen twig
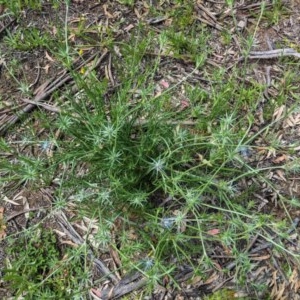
(273, 53)
(76, 238)
(38, 76)
(122, 287)
(44, 105)
(143, 122)
(3, 29)
(120, 290)
(24, 212)
(207, 17)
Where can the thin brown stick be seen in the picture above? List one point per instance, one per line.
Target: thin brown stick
(110, 72)
(9, 110)
(208, 17)
(44, 105)
(24, 212)
(273, 53)
(6, 26)
(37, 77)
(121, 289)
(76, 238)
(184, 123)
